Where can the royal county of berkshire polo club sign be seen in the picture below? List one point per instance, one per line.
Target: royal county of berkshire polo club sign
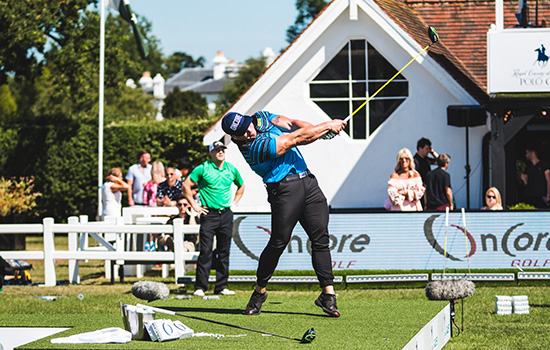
(517, 60)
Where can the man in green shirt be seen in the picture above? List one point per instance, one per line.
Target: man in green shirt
(214, 179)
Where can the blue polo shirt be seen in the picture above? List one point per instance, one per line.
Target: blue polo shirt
(261, 152)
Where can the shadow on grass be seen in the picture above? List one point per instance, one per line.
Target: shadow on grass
(236, 311)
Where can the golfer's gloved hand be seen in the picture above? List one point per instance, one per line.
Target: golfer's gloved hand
(329, 135)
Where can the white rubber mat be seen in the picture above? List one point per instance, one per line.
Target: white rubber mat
(12, 337)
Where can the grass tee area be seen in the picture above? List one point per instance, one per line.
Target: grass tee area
(371, 318)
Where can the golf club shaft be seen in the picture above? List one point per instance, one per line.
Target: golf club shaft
(383, 86)
(169, 312)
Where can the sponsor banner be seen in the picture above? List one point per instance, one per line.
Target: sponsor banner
(435, 334)
(517, 60)
(383, 241)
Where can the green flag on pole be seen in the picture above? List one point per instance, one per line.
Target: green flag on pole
(123, 7)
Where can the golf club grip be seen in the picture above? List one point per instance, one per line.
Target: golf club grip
(162, 311)
(386, 84)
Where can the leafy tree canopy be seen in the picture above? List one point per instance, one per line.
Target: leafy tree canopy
(51, 60)
(178, 60)
(307, 10)
(186, 104)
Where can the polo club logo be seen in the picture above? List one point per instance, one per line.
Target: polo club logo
(542, 58)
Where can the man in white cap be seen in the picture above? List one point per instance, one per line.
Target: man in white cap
(268, 143)
(214, 178)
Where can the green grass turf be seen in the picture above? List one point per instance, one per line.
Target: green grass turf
(369, 316)
(371, 319)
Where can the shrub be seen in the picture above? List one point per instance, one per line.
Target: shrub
(521, 206)
(62, 156)
(17, 196)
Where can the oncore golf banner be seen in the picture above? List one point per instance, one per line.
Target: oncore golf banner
(388, 241)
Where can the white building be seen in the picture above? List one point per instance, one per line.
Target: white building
(319, 77)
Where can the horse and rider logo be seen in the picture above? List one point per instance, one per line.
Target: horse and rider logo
(542, 58)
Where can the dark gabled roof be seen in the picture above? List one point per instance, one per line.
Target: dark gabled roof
(188, 77)
(417, 28)
(209, 86)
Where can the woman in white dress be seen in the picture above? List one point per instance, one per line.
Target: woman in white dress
(111, 193)
(405, 187)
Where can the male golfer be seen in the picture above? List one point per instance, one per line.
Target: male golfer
(214, 178)
(268, 143)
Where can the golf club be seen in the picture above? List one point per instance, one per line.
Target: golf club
(434, 37)
(308, 336)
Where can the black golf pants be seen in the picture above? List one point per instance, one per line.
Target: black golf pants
(299, 200)
(217, 224)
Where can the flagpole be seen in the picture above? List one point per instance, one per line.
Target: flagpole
(101, 102)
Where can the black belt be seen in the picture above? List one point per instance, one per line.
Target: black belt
(298, 176)
(219, 211)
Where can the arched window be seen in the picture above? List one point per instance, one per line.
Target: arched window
(347, 81)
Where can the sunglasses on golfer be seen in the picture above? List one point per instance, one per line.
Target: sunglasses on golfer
(185, 205)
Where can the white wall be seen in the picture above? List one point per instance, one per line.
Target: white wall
(354, 173)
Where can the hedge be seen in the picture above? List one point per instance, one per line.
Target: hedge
(62, 156)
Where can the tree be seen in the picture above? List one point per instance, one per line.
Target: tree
(8, 107)
(253, 68)
(27, 26)
(65, 80)
(307, 10)
(186, 104)
(178, 60)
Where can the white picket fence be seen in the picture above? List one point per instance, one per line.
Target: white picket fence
(78, 229)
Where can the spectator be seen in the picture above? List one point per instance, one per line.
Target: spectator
(536, 179)
(111, 193)
(438, 185)
(169, 189)
(422, 163)
(214, 178)
(189, 217)
(184, 168)
(492, 199)
(150, 188)
(137, 176)
(405, 187)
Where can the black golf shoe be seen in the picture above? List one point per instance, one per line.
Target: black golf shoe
(327, 302)
(254, 306)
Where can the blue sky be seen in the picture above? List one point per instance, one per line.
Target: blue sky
(240, 28)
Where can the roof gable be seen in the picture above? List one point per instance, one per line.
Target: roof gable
(402, 18)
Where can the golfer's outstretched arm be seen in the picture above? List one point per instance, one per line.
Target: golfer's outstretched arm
(307, 135)
(289, 124)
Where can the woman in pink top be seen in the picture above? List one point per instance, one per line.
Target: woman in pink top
(405, 187)
(150, 187)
